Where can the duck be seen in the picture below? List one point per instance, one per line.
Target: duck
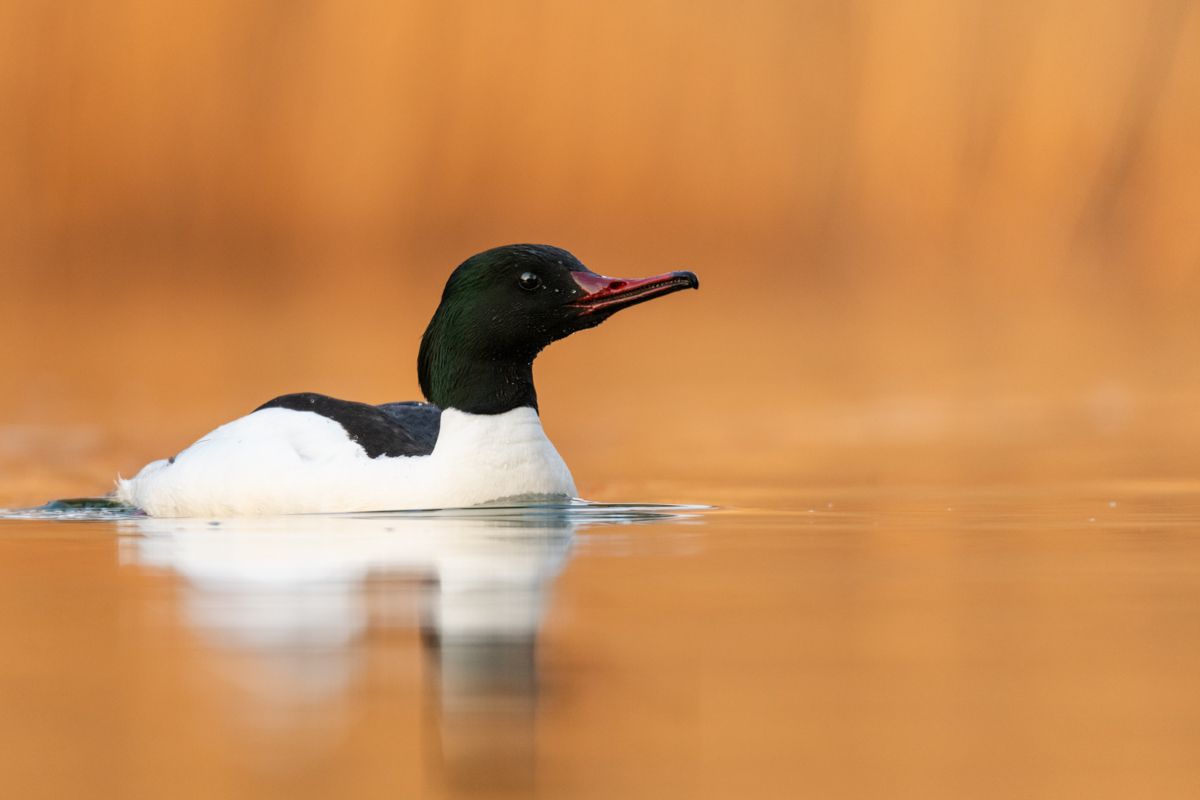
(476, 439)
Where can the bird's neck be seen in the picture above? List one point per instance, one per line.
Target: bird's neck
(474, 383)
(483, 387)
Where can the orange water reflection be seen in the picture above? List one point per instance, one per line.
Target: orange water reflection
(908, 644)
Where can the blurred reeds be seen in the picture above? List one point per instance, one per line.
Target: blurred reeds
(938, 215)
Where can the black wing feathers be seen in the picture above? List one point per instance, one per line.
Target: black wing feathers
(392, 429)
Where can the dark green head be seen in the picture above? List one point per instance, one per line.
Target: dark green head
(502, 306)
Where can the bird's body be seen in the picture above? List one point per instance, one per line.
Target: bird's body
(283, 461)
(480, 440)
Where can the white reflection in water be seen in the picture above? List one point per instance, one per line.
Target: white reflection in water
(300, 594)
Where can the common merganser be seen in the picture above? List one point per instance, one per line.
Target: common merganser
(477, 440)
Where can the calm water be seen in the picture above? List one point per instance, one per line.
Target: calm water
(886, 643)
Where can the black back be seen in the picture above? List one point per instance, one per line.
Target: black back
(391, 429)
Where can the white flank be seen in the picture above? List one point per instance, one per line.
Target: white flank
(280, 461)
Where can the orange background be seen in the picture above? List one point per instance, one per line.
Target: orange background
(935, 238)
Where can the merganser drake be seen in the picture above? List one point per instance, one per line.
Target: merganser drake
(477, 440)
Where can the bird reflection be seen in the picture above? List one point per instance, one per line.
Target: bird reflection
(300, 594)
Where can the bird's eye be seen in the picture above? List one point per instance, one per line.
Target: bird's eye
(529, 281)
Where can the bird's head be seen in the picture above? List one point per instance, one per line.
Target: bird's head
(500, 308)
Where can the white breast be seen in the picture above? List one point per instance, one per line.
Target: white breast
(280, 461)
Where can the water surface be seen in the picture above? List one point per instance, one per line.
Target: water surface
(881, 643)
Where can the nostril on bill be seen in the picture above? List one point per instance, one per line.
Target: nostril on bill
(615, 285)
